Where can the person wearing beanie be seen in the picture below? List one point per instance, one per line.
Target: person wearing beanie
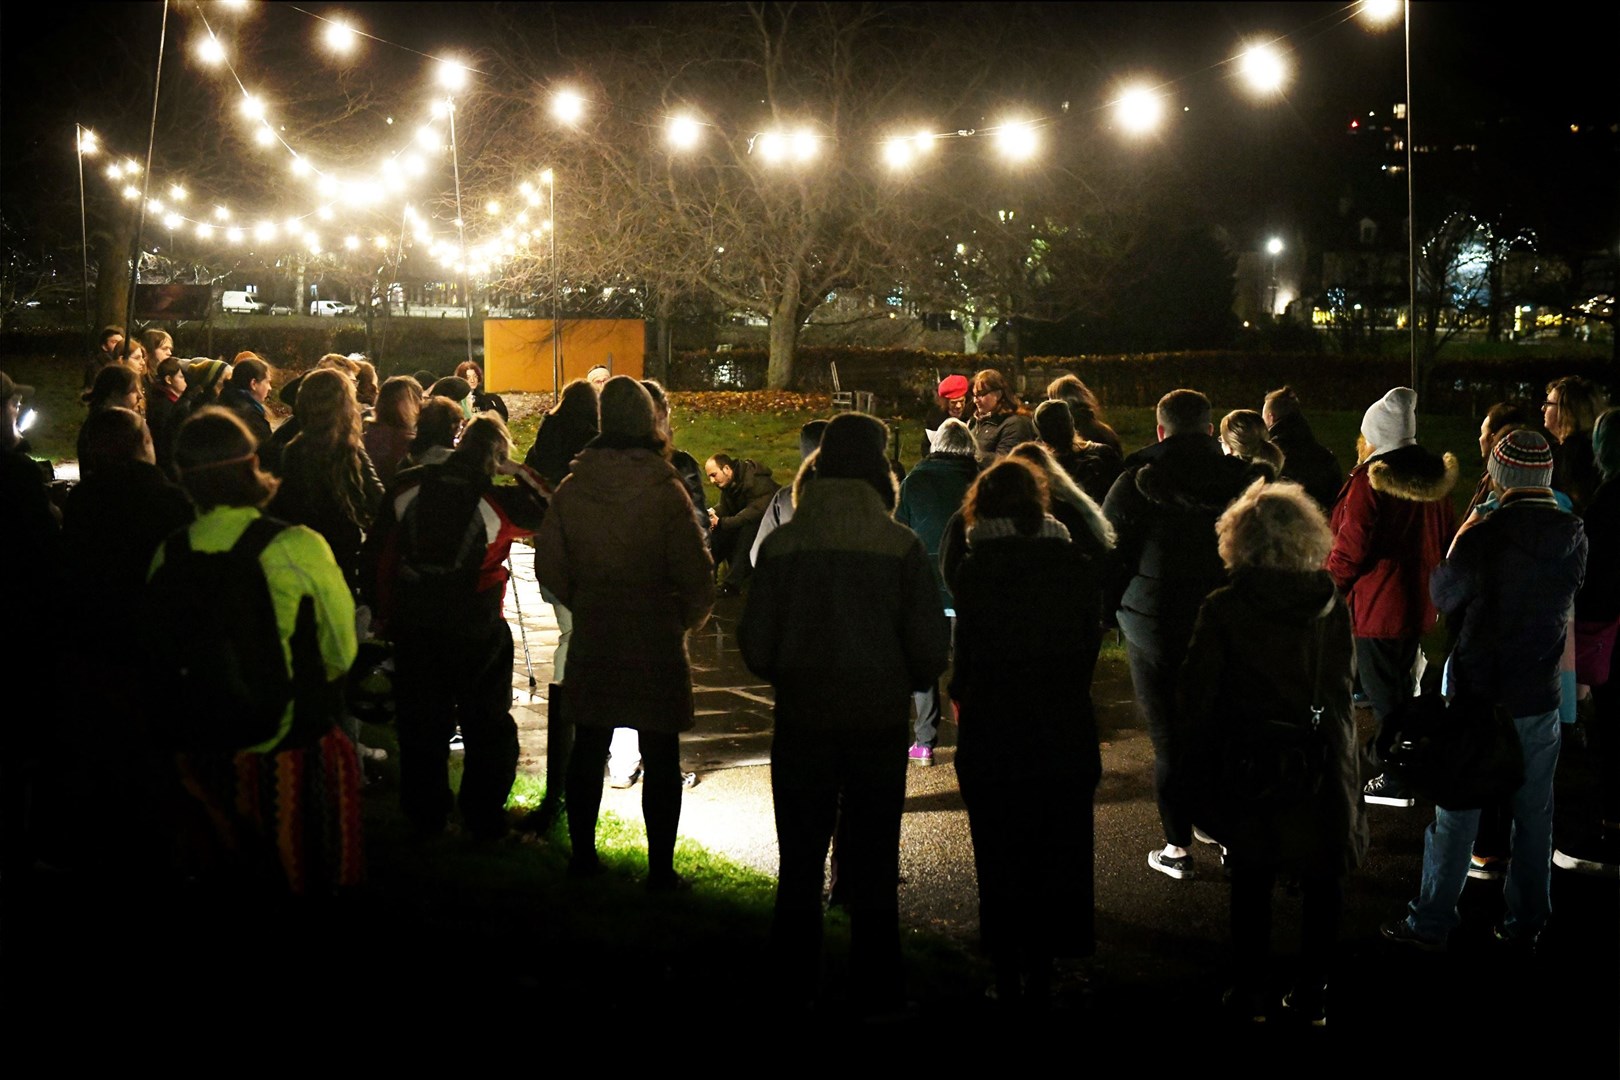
(1508, 583)
(780, 510)
(844, 619)
(746, 489)
(207, 377)
(950, 400)
(1390, 526)
(622, 550)
(930, 499)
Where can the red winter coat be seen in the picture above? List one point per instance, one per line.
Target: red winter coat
(1391, 525)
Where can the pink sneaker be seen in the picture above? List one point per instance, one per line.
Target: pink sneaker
(922, 755)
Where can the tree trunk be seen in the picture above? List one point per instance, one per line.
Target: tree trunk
(112, 274)
(784, 340)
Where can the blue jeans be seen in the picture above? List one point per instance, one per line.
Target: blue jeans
(1449, 841)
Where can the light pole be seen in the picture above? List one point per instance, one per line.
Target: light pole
(549, 179)
(453, 76)
(85, 140)
(1274, 247)
(1379, 12)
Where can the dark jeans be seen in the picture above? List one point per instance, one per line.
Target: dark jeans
(815, 777)
(1252, 886)
(660, 793)
(1156, 654)
(733, 547)
(440, 680)
(1385, 668)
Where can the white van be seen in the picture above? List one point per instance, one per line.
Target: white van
(243, 303)
(330, 307)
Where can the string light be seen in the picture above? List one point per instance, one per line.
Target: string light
(1017, 140)
(567, 106)
(1139, 110)
(210, 50)
(340, 37)
(1263, 68)
(684, 132)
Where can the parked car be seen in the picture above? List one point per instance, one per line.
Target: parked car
(330, 307)
(281, 309)
(240, 302)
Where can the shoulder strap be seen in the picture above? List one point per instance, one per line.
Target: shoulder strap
(257, 536)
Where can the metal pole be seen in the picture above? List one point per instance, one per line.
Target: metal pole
(146, 188)
(1411, 207)
(556, 290)
(461, 226)
(84, 231)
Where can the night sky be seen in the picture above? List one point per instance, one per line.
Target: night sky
(1474, 71)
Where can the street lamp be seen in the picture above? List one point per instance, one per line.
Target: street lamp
(85, 142)
(1274, 247)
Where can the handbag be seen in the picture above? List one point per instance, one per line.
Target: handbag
(1461, 754)
(1278, 761)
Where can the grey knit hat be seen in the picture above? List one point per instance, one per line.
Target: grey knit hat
(627, 409)
(1521, 460)
(1392, 420)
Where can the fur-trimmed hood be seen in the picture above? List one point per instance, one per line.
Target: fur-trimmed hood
(1413, 473)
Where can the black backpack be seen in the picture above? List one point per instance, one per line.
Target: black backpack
(219, 679)
(441, 549)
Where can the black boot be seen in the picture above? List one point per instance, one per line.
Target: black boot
(559, 751)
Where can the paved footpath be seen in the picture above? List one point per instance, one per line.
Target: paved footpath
(1162, 944)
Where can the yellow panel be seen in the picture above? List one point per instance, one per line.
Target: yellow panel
(517, 352)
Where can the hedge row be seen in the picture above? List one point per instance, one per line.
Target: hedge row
(906, 378)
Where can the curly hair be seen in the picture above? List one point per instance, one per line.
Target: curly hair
(1274, 526)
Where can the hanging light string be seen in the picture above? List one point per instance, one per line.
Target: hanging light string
(1016, 138)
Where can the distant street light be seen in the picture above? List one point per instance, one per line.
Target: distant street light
(549, 180)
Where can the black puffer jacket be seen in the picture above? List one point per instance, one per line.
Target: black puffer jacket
(1163, 509)
(998, 433)
(1307, 462)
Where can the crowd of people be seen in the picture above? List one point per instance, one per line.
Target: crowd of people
(1258, 589)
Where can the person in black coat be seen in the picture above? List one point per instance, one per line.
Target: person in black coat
(1274, 644)
(1027, 756)
(1163, 510)
(1305, 461)
(1093, 465)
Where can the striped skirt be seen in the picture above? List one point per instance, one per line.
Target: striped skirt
(291, 816)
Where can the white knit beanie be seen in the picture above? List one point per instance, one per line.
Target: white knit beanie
(1392, 420)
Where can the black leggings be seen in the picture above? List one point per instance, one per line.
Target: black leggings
(660, 792)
